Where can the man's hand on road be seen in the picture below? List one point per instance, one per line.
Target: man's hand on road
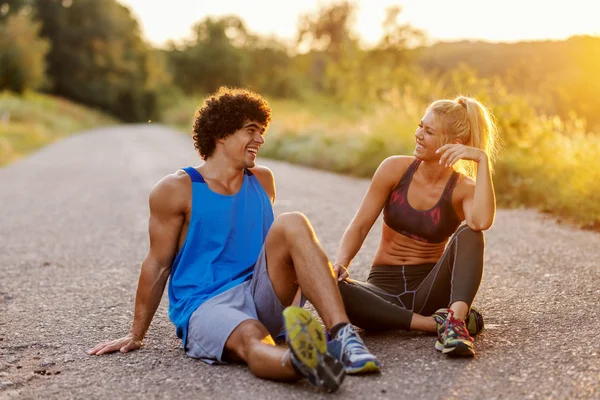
(123, 345)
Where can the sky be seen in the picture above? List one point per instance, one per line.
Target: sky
(497, 21)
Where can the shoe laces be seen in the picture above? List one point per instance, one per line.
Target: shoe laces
(351, 342)
(456, 326)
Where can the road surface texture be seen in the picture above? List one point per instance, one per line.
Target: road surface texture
(73, 232)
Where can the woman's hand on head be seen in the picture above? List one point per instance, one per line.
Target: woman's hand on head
(452, 153)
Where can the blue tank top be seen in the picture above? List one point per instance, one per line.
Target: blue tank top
(224, 238)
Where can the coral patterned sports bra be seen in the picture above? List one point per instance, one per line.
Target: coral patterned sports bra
(431, 226)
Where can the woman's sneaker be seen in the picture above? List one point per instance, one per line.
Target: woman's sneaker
(474, 320)
(453, 337)
(349, 348)
(308, 346)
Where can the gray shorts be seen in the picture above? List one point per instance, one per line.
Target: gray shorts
(212, 323)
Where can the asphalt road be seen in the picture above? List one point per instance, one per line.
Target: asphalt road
(73, 232)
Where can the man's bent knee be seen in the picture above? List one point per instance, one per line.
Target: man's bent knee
(247, 334)
(293, 223)
(292, 218)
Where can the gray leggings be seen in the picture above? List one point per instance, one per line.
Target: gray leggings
(393, 292)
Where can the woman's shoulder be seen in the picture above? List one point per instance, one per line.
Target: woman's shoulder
(465, 186)
(392, 169)
(465, 180)
(397, 162)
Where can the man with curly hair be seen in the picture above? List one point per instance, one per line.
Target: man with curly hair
(234, 268)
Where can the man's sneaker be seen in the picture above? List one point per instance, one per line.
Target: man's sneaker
(308, 346)
(474, 320)
(453, 337)
(349, 348)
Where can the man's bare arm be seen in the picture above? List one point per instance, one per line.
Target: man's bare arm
(167, 214)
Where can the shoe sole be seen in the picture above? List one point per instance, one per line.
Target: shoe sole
(460, 349)
(369, 367)
(306, 339)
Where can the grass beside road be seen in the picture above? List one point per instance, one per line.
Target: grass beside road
(34, 120)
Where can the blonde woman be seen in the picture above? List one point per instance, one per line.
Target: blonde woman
(428, 266)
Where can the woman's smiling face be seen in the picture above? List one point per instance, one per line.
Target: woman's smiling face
(427, 138)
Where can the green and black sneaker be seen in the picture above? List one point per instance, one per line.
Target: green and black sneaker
(474, 320)
(453, 337)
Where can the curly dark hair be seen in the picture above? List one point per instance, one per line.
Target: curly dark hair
(225, 112)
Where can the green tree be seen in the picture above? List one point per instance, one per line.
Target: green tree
(390, 62)
(397, 39)
(22, 53)
(334, 49)
(214, 57)
(330, 29)
(341, 67)
(271, 68)
(98, 57)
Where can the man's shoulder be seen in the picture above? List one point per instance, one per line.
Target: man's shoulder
(178, 180)
(262, 171)
(173, 190)
(266, 178)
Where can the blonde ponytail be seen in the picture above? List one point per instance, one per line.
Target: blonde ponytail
(469, 121)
